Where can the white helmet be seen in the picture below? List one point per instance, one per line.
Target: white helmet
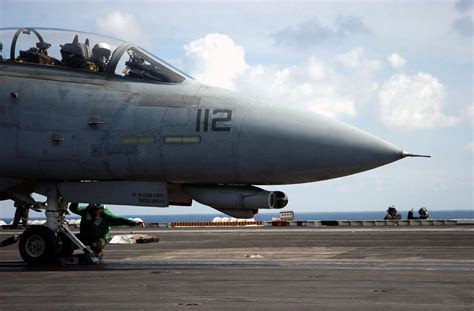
(102, 51)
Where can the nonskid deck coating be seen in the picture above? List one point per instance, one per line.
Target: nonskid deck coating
(258, 268)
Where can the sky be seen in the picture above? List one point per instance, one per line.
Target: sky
(401, 70)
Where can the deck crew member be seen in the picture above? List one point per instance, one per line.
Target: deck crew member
(422, 212)
(95, 225)
(392, 214)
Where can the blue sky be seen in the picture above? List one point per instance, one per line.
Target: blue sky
(401, 70)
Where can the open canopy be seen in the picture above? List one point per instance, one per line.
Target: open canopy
(86, 52)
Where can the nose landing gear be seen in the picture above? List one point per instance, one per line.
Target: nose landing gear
(39, 245)
(47, 243)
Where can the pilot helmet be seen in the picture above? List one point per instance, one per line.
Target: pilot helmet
(101, 51)
(423, 210)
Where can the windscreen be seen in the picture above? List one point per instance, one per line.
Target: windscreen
(86, 52)
(137, 64)
(55, 47)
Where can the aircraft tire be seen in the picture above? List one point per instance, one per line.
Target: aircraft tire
(39, 245)
(66, 247)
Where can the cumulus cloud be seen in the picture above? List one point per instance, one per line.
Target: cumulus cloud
(313, 85)
(215, 59)
(413, 102)
(464, 5)
(122, 26)
(356, 58)
(404, 101)
(396, 61)
(360, 74)
(312, 32)
(464, 26)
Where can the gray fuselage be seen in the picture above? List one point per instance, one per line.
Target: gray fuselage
(58, 124)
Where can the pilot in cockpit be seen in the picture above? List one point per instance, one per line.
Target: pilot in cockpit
(101, 55)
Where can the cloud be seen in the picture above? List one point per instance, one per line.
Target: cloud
(464, 26)
(404, 101)
(396, 61)
(464, 5)
(122, 26)
(413, 102)
(350, 25)
(470, 114)
(355, 59)
(215, 59)
(360, 75)
(312, 85)
(470, 147)
(312, 32)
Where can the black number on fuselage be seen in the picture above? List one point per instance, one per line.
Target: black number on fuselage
(221, 128)
(215, 126)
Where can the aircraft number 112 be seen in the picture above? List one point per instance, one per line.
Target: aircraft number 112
(203, 116)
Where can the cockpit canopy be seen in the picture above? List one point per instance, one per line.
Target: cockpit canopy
(85, 52)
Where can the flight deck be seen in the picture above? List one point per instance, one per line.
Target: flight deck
(389, 268)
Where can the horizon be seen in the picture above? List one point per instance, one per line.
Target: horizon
(39, 216)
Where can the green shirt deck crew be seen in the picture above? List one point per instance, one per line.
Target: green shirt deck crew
(93, 228)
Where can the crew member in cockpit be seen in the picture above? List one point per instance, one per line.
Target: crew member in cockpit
(101, 55)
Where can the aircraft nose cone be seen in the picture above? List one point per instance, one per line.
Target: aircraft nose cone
(337, 149)
(357, 148)
(294, 147)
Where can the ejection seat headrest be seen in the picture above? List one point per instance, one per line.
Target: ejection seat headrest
(75, 54)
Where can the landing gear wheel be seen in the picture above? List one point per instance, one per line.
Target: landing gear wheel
(39, 245)
(66, 248)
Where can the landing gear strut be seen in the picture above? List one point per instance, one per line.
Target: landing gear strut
(45, 244)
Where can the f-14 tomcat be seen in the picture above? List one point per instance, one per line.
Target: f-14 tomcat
(87, 118)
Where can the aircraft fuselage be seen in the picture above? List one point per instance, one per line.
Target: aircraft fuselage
(62, 125)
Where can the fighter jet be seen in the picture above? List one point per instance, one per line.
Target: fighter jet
(89, 118)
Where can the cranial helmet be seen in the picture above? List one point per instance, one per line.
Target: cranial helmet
(96, 207)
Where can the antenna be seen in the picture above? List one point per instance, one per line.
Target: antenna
(405, 154)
